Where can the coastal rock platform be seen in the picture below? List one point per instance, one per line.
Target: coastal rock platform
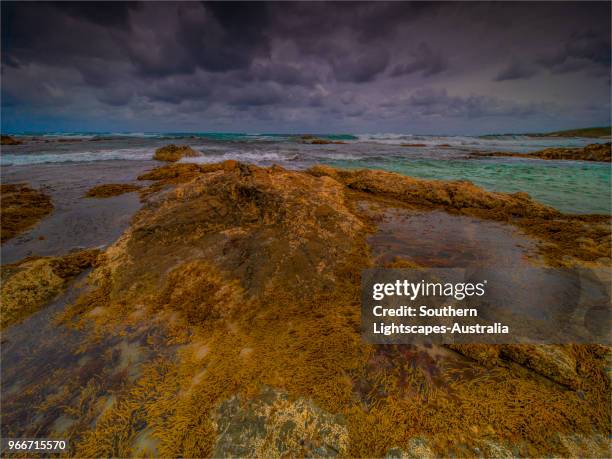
(254, 275)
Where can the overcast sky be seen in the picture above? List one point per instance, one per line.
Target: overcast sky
(305, 67)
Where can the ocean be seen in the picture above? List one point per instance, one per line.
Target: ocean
(570, 186)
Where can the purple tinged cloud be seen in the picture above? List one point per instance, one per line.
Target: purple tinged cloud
(324, 67)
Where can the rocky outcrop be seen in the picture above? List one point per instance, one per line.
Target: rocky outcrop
(255, 272)
(594, 152)
(172, 153)
(564, 238)
(8, 140)
(312, 140)
(22, 207)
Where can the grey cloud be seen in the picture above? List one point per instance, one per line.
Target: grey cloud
(117, 96)
(283, 73)
(269, 94)
(516, 70)
(361, 68)
(430, 102)
(424, 60)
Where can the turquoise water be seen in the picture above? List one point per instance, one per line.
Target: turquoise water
(570, 186)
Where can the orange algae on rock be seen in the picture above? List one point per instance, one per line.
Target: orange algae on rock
(21, 208)
(31, 283)
(312, 140)
(601, 152)
(172, 153)
(111, 189)
(261, 266)
(9, 140)
(565, 238)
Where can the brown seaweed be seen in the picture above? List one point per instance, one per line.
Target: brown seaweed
(21, 208)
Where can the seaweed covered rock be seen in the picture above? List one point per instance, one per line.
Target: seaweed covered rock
(8, 140)
(485, 354)
(312, 140)
(274, 425)
(460, 196)
(172, 153)
(22, 207)
(601, 152)
(564, 238)
(263, 225)
(111, 189)
(255, 273)
(592, 152)
(31, 283)
(554, 362)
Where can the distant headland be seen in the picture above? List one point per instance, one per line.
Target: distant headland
(591, 132)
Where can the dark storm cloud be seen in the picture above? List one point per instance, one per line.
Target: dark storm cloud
(582, 49)
(111, 14)
(424, 60)
(308, 62)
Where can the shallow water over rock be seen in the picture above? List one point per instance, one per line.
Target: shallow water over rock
(76, 221)
(55, 376)
(439, 239)
(509, 259)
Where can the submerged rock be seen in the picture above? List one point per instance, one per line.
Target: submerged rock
(111, 189)
(172, 153)
(274, 425)
(22, 207)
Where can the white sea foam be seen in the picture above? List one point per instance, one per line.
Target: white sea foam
(253, 156)
(428, 140)
(518, 143)
(132, 154)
